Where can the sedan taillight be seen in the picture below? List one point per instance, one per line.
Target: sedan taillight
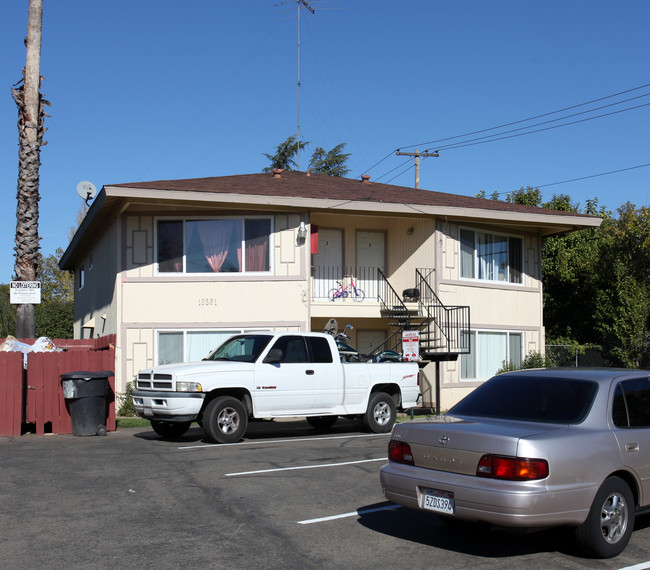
(400, 452)
(511, 468)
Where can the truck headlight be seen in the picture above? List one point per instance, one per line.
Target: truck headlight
(188, 387)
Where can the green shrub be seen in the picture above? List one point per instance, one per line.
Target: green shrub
(534, 359)
(125, 402)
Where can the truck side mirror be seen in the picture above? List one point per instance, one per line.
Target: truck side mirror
(275, 356)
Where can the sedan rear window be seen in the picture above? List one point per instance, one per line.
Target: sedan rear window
(543, 399)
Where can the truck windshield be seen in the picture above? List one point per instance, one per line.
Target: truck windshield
(243, 348)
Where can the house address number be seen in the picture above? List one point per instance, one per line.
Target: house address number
(207, 302)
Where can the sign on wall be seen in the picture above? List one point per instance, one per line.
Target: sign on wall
(25, 292)
(411, 345)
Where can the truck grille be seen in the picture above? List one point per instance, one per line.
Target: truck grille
(159, 381)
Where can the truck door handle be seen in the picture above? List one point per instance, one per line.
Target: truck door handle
(309, 372)
(631, 447)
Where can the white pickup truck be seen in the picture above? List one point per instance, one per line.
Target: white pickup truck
(273, 375)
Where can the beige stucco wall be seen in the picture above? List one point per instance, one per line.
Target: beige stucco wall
(151, 302)
(123, 286)
(97, 297)
(493, 306)
(409, 242)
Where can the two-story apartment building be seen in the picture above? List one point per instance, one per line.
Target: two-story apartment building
(174, 267)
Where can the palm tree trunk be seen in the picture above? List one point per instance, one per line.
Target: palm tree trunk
(30, 135)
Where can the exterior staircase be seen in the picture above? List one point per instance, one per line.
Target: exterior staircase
(442, 329)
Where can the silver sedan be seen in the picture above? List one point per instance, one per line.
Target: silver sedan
(534, 449)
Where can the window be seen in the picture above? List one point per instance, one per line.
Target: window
(490, 257)
(293, 349)
(82, 277)
(219, 245)
(525, 398)
(489, 351)
(320, 349)
(632, 404)
(189, 345)
(241, 348)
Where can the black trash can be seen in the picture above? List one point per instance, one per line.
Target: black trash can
(86, 394)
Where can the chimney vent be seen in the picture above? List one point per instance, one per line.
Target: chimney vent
(365, 178)
(277, 172)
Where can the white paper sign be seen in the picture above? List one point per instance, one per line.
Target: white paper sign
(411, 345)
(25, 292)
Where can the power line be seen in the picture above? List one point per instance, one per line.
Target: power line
(529, 118)
(453, 145)
(593, 176)
(496, 137)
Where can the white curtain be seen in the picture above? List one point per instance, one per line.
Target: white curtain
(198, 344)
(491, 352)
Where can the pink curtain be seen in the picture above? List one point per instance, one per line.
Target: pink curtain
(257, 254)
(215, 236)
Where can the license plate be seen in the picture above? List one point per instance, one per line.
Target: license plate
(438, 501)
(148, 412)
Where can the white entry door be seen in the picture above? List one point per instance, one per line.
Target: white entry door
(371, 252)
(328, 262)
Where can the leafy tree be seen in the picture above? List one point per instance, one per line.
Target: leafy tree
(55, 319)
(332, 163)
(622, 309)
(483, 194)
(57, 285)
(596, 281)
(7, 313)
(528, 196)
(55, 314)
(285, 153)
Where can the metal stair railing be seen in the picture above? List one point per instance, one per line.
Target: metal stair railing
(445, 323)
(392, 304)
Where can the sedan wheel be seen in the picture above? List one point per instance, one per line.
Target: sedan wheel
(609, 525)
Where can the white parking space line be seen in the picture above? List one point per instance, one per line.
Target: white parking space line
(267, 441)
(639, 566)
(304, 467)
(352, 514)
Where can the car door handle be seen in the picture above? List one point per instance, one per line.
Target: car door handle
(309, 372)
(632, 447)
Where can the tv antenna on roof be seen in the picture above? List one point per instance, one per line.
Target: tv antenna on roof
(300, 4)
(86, 190)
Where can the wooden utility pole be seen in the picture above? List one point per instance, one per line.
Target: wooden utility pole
(30, 136)
(416, 158)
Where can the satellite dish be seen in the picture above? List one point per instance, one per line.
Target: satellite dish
(331, 327)
(86, 190)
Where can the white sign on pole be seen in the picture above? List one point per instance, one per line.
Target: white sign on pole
(411, 345)
(25, 292)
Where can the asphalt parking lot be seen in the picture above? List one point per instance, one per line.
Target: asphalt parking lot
(286, 496)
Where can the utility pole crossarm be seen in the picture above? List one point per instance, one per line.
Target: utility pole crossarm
(416, 158)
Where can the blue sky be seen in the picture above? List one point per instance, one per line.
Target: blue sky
(160, 89)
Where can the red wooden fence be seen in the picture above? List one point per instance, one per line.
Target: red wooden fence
(11, 393)
(35, 397)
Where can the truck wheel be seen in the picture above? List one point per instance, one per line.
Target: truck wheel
(380, 416)
(170, 429)
(225, 420)
(610, 521)
(322, 422)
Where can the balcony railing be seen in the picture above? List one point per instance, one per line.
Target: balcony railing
(328, 279)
